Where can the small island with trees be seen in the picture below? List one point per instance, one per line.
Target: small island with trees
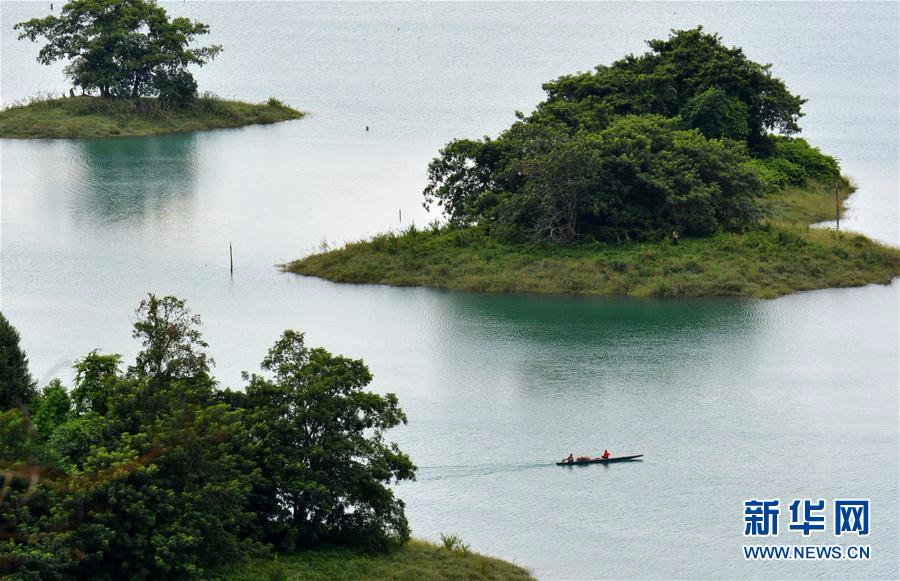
(128, 65)
(671, 174)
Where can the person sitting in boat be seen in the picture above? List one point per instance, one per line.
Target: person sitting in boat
(569, 458)
(605, 455)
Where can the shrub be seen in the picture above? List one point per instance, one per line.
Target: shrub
(810, 160)
(454, 543)
(793, 162)
(177, 88)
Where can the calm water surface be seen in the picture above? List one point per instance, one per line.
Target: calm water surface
(728, 399)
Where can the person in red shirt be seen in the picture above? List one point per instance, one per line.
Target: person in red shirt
(605, 455)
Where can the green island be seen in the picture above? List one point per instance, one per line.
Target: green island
(87, 116)
(136, 59)
(774, 259)
(676, 173)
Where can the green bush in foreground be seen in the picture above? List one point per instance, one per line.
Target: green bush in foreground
(155, 472)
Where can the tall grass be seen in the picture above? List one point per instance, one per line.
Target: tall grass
(815, 202)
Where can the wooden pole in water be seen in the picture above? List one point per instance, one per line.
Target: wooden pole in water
(231, 258)
(837, 206)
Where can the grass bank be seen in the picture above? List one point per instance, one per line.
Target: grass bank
(415, 560)
(85, 117)
(807, 205)
(781, 256)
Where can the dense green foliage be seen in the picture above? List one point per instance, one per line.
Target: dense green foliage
(154, 472)
(794, 162)
(94, 117)
(16, 384)
(416, 560)
(690, 75)
(315, 420)
(675, 140)
(123, 48)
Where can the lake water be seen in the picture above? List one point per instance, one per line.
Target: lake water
(727, 399)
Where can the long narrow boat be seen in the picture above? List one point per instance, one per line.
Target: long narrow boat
(600, 460)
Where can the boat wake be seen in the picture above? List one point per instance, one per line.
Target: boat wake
(453, 472)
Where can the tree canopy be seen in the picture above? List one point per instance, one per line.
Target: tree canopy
(325, 456)
(677, 139)
(691, 75)
(122, 47)
(158, 473)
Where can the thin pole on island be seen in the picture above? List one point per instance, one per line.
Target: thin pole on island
(231, 258)
(837, 206)
(400, 215)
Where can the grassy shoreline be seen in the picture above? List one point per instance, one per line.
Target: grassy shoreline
(91, 117)
(415, 560)
(781, 256)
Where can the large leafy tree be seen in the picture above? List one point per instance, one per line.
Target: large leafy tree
(122, 47)
(324, 464)
(95, 375)
(173, 345)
